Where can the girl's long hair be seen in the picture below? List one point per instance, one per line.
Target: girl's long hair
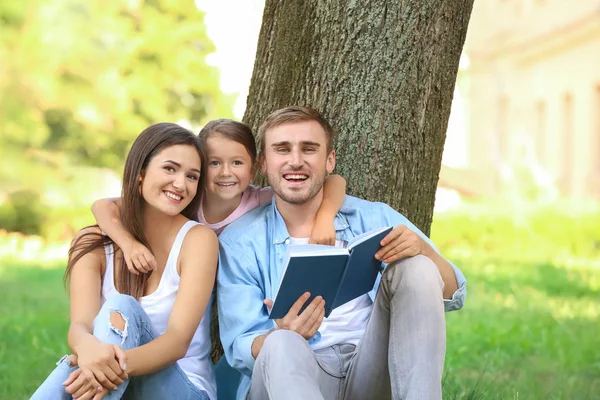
(147, 145)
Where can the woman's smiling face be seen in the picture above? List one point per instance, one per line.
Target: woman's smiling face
(170, 180)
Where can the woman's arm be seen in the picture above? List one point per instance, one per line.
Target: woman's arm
(85, 291)
(198, 265)
(137, 256)
(334, 193)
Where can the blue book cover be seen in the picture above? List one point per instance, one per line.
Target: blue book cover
(337, 274)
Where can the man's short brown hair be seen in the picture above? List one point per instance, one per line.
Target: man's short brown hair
(293, 114)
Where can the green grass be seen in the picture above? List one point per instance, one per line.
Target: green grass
(34, 318)
(530, 328)
(529, 331)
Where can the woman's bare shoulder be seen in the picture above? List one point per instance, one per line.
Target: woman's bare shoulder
(85, 239)
(199, 234)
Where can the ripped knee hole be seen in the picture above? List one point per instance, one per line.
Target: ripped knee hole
(116, 320)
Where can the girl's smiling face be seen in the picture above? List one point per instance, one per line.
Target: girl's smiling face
(229, 168)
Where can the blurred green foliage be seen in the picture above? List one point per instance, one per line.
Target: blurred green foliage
(523, 231)
(79, 80)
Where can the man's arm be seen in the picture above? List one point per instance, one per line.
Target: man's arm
(406, 240)
(446, 270)
(240, 296)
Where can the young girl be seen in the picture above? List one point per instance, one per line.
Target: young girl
(144, 336)
(228, 193)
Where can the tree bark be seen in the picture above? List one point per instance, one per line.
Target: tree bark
(382, 72)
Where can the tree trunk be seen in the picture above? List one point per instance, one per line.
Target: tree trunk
(382, 72)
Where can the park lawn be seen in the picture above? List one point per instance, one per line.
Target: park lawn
(34, 318)
(529, 329)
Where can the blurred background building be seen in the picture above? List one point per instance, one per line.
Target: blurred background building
(526, 114)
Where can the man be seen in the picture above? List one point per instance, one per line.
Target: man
(387, 344)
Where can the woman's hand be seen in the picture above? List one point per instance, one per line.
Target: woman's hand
(82, 385)
(323, 231)
(101, 366)
(138, 258)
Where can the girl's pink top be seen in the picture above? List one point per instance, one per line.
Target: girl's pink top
(252, 197)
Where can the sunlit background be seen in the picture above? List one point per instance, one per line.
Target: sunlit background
(518, 203)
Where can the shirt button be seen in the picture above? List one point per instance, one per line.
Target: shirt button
(287, 241)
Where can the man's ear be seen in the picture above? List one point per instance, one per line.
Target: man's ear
(331, 162)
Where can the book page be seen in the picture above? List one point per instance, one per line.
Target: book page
(365, 236)
(302, 250)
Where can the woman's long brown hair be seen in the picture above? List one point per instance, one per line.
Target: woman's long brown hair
(147, 145)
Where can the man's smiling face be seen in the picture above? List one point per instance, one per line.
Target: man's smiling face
(296, 160)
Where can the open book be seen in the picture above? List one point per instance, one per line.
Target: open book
(337, 274)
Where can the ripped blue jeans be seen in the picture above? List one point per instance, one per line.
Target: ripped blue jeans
(168, 383)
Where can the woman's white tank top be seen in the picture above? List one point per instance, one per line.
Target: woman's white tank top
(158, 305)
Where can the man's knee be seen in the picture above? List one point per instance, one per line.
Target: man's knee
(414, 273)
(283, 341)
(284, 353)
(281, 347)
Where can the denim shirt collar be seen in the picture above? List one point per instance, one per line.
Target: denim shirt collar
(281, 234)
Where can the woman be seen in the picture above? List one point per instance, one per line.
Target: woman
(147, 335)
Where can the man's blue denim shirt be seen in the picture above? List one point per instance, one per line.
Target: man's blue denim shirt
(250, 254)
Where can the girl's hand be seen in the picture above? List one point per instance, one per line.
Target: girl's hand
(102, 365)
(138, 258)
(401, 242)
(323, 232)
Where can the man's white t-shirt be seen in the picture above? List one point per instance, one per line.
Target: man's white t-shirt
(345, 324)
